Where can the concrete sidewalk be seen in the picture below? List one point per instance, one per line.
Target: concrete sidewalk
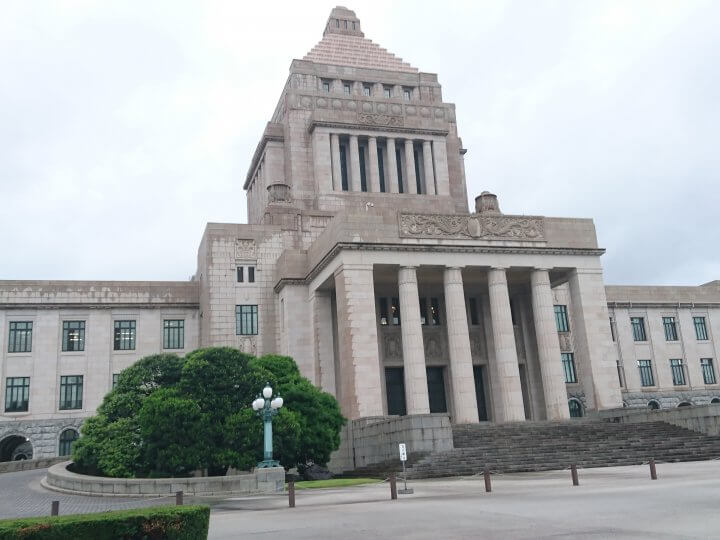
(617, 502)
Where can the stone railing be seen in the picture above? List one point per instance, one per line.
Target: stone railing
(703, 418)
(29, 464)
(58, 478)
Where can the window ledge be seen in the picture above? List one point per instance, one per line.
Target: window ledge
(19, 354)
(16, 414)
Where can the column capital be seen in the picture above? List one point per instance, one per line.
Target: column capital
(542, 268)
(499, 267)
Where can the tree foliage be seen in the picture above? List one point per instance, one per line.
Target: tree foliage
(169, 416)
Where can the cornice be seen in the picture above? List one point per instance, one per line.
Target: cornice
(365, 127)
(57, 305)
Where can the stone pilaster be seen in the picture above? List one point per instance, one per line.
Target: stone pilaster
(428, 166)
(355, 184)
(507, 391)
(442, 174)
(391, 167)
(336, 171)
(374, 167)
(551, 371)
(461, 370)
(360, 387)
(411, 180)
(416, 389)
(321, 309)
(322, 163)
(595, 352)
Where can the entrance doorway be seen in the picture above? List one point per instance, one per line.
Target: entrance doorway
(15, 448)
(479, 374)
(436, 389)
(395, 390)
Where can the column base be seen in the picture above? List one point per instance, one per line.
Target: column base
(267, 464)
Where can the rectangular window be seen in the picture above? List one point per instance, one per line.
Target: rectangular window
(708, 370)
(73, 336)
(678, 372)
(387, 92)
(621, 378)
(363, 174)
(638, 329)
(383, 311)
(246, 320)
(116, 376)
(646, 374)
(240, 274)
(173, 334)
(700, 328)
(423, 311)
(472, 306)
(367, 90)
(17, 394)
(347, 89)
(20, 337)
(395, 311)
(343, 167)
(407, 94)
(612, 329)
(670, 329)
(434, 311)
(326, 86)
(124, 335)
(568, 360)
(561, 319)
(71, 392)
(251, 274)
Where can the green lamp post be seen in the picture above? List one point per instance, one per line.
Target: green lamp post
(266, 407)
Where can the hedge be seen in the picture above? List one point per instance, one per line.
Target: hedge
(154, 523)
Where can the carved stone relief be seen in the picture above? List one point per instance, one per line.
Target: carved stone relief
(433, 348)
(245, 249)
(473, 226)
(392, 347)
(380, 119)
(248, 345)
(565, 342)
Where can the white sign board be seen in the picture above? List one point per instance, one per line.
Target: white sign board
(403, 452)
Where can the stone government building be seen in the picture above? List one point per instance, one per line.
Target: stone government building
(362, 261)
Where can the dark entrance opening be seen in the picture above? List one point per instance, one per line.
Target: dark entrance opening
(436, 390)
(479, 374)
(15, 448)
(576, 410)
(395, 390)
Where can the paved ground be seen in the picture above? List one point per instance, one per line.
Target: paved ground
(618, 502)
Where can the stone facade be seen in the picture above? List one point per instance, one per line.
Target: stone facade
(361, 260)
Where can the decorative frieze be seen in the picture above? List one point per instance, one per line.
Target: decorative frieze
(472, 226)
(380, 120)
(245, 249)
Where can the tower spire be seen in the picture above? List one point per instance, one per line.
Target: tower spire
(343, 21)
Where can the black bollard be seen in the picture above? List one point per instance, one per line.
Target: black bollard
(291, 493)
(55, 508)
(393, 486)
(488, 484)
(574, 474)
(653, 472)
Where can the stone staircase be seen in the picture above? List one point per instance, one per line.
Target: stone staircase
(541, 446)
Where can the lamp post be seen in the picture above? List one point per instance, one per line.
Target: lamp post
(266, 407)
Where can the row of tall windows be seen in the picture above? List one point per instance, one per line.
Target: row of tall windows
(17, 393)
(677, 369)
(669, 326)
(73, 335)
(408, 92)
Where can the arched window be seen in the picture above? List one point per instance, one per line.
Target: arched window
(685, 404)
(576, 409)
(715, 400)
(67, 438)
(653, 404)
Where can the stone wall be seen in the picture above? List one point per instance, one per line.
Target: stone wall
(43, 435)
(703, 419)
(271, 480)
(375, 440)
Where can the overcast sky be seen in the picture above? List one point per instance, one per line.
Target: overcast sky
(126, 126)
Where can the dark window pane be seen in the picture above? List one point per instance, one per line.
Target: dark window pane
(20, 338)
(395, 311)
(246, 320)
(173, 334)
(561, 318)
(646, 374)
(67, 438)
(708, 370)
(638, 328)
(678, 372)
(124, 338)
(73, 336)
(383, 311)
(17, 394)
(434, 311)
(71, 392)
(251, 274)
(240, 274)
(670, 328)
(395, 390)
(700, 328)
(568, 360)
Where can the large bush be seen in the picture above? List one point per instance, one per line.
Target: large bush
(169, 416)
(168, 522)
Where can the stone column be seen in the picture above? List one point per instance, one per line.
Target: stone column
(553, 380)
(506, 384)
(442, 175)
(323, 343)
(374, 167)
(428, 166)
(355, 184)
(416, 388)
(359, 380)
(391, 166)
(595, 352)
(410, 181)
(461, 371)
(336, 171)
(322, 164)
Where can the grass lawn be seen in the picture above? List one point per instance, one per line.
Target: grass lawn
(334, 483)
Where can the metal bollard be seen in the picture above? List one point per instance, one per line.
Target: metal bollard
(653, 472)
(574, 474)
(291, 493)
(393, 486)
(178, 498)
(488, 484)
(55, 508)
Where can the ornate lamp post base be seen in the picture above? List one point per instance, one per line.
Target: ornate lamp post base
(265, 464)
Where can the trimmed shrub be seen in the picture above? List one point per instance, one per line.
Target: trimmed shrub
(155, 523)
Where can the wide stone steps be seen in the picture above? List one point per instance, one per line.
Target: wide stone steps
(541, 446)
